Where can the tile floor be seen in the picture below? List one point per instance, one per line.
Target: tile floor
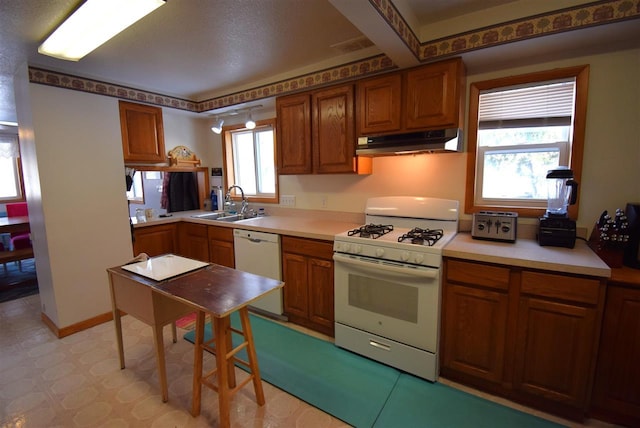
(77, 382)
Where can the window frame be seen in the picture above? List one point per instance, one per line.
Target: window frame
(17, 161)
(139, 199)
(228, 160)
(581, 75)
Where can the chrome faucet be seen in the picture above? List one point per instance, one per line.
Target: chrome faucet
(245, 202)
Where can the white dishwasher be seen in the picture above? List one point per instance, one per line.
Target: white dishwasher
(259, 253)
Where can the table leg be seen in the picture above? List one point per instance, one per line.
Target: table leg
(174, 332)
(118, 324)
(197, 364)
(222, 338)
(162, 369)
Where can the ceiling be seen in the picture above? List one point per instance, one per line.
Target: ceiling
(198, 49)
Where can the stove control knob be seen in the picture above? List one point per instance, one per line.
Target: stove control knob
(379, 252)
(405, 256)
(357, 248)
(347, 248)
(419, 258)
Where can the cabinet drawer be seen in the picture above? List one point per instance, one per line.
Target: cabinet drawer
(478, 274)
(307, 247)
(581, 290)
(221, 233)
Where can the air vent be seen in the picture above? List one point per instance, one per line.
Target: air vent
(352, 45)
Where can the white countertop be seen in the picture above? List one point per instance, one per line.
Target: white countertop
(302, 226)
(528, 253)
(523, 253)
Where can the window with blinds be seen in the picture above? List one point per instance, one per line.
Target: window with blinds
(523, 131)
(10, 169)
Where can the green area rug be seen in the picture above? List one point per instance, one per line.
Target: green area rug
(362, 392)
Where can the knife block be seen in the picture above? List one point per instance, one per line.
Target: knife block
(610, 253)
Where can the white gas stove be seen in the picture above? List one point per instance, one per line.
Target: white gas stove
(402, 229)
(387, 281)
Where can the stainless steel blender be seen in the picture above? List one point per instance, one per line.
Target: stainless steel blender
(555, 227)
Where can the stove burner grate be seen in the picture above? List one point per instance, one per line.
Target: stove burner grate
(372, 231)
(422, 236)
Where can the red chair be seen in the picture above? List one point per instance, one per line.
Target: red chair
(19, 240)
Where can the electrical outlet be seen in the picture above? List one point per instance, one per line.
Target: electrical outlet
(324, 201)
(288, 200)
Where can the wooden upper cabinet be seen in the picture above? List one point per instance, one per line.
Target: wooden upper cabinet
(433, 95)
(142, 133)
(293, 130)
(334, 138)
(379, 104)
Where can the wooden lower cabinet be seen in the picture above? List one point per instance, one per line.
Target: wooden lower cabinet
(616, 393)
(221, 246)
(155, 240)
(193, 241)
(307, 270)
(530, 336)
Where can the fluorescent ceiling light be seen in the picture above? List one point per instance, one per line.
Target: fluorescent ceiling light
(95, 22)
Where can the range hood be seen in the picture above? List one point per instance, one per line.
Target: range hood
(443, 140)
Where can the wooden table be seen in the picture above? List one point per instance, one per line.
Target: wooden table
(215, 290)
(13, 225)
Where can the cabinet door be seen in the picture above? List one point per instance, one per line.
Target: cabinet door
(221, 249)
(474, 332)
(142, 133)
(554, 349)
(433, 95)
(293, 133)
(296, 296)
(321, 307)
(616, 390)
(379, 104)
(193, 241)
(334, 142)
(155, 240)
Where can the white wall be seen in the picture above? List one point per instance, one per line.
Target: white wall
(84, 228)
(611, 169)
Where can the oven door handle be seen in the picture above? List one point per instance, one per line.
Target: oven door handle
(426, 273)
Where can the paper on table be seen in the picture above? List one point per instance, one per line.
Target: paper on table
(163, 267)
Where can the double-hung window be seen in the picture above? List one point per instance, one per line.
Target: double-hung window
(11, 189)
(521, 127)
(250, 160)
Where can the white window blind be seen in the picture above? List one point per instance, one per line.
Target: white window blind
(550, 103)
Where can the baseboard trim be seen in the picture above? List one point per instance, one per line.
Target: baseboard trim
(77, 327)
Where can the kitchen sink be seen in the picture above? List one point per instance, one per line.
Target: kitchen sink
(210, 216)
(229, 218)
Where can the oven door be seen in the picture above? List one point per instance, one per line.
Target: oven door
(391, 300)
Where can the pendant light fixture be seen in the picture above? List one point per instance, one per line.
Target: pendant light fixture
(217, 125)
(249, 123)
(92, 24)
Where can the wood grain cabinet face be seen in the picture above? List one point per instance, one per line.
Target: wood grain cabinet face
(293, 130)
(307, 270)
(616, 392)
(528, 335)
(142, 133)
(334, 142)
(379, 104)
(155, 240)
(193, 241)
(221, 250)
(475, 319)
(433, 95)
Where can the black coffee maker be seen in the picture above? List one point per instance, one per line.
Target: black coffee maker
(555, 228)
